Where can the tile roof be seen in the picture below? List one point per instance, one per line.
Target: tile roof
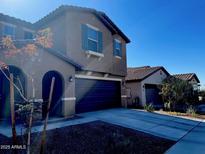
(101, 16)
(13, 20)
(50, 51)
(187, 76)
(141, 73)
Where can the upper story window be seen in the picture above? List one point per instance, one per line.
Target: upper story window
(91, 39)
(9, 30)
(28, 35)
(117, 47)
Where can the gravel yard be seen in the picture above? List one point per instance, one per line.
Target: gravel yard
(95, 137)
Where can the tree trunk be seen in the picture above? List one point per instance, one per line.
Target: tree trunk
(43, 140)
(29, 130)
(13, 122)
(30, 119)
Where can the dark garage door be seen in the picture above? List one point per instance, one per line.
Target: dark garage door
(94, 95)
(152, 95)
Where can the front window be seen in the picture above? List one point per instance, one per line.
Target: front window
(9, 31)
(28, 35)
(92, 39)
(117, 48)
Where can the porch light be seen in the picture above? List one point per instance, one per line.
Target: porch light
(70, 79)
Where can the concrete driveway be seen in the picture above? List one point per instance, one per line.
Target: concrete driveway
(168, 127)
(189, 134)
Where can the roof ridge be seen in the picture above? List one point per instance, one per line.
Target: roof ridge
(64, 6)
(101, 15)
(184, 74)
(15, 18)
(145, 67)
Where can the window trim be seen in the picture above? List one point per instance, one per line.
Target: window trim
(94, 53)
(118, 41)
(10, 25)
(118, 57)
(93, 27)
(91, 39)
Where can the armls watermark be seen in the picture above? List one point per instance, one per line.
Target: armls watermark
(14, 147)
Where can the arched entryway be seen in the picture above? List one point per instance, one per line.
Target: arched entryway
(20, 82)
(56, 105)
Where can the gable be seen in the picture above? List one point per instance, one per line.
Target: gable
(156, 78)
(100, 15)
(141, 73)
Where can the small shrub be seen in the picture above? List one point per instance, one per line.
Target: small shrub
(167, 106)
(191, 111)
(149, 107)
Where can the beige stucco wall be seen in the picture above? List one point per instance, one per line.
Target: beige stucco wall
(108, 63)
(40, 64)
(58, 29)
(135, 91)
(193, 81)
(138, 88)
(66, 29)
(67, 35)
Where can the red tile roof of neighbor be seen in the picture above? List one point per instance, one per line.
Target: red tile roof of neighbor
(187, 76)
(141, 73)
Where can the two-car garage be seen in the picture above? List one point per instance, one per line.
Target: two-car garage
(94, 94)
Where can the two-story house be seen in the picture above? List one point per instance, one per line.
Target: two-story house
(88, 61)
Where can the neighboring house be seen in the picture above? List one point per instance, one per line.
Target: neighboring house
(143, 85)
(191, 78)
(88, 60)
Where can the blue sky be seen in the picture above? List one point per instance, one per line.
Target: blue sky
(169, 33)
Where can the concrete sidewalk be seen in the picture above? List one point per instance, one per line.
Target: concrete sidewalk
(192, 143)
(6, 130)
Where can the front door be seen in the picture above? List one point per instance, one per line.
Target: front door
(55, 107)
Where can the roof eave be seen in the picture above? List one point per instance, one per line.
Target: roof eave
(64, 58)
(101, 15)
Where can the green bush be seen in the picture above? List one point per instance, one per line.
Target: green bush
(191, 111)
(149, 107)
(176, 92)
(202, 95)
(167, 106)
